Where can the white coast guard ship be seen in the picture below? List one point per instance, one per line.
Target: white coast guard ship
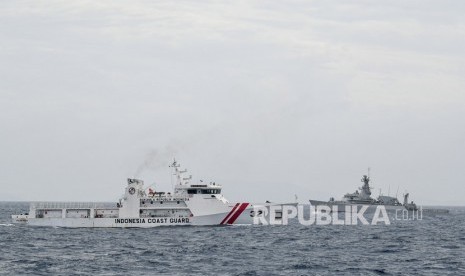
(201, 204)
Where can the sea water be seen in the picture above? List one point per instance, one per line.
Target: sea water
(434, 245)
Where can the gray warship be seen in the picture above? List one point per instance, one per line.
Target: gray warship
(362, 196)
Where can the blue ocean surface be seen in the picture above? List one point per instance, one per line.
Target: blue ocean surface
(434, 245)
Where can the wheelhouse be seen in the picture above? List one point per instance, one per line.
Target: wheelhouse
(203, 189)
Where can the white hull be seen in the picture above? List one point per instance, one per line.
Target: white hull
(20, 218)
(204, 220)
(107, 222)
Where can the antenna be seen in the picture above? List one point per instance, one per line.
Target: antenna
(171, 179)
(368, 171)
(397, 191)
(173, 165)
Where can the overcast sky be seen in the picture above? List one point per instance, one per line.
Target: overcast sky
(268, 98)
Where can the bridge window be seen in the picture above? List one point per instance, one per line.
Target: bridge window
(210, 191)
(204, 191)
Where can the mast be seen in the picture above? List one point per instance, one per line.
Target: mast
(366, 189)
(405, 199)
(180, 180)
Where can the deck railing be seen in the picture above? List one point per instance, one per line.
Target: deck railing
(72, 205)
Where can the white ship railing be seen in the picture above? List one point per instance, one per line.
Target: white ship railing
(72, 205)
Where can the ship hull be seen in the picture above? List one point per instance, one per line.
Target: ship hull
(223, 218)
(341, 206)
(108, 222)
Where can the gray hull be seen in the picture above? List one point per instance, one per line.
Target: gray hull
(341, 206)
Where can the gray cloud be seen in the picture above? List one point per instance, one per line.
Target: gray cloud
(268, 98)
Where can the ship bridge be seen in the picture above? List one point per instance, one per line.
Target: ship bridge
(203, 189)
(184, 187)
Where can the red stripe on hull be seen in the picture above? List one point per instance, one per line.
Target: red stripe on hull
(229, 214)
(238, 213)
